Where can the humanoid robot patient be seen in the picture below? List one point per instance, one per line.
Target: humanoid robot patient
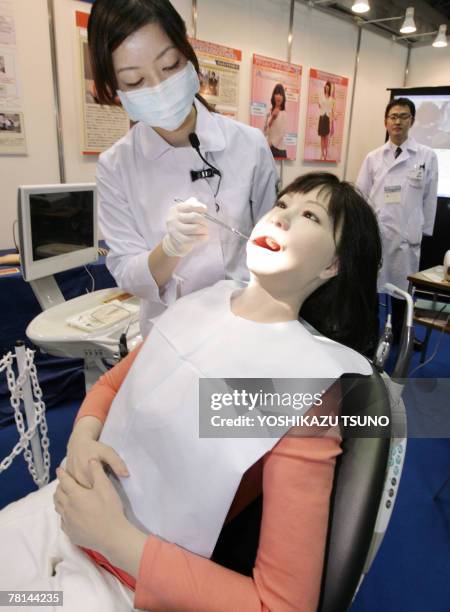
(183, 521)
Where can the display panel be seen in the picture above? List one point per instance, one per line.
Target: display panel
(276, 88)
(325, 118)
(57, 228)
(432, 126)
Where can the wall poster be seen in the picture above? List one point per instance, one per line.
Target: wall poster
(101, 125)
(219, 75)
(12, 133)
(275, 103)
(7, 24)
(12, 124)
(324, 132)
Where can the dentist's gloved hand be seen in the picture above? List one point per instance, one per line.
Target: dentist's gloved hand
(185, 228)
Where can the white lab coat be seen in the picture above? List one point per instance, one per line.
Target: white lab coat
(138, 179)
(413, 176)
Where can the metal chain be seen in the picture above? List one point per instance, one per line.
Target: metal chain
(16, 390)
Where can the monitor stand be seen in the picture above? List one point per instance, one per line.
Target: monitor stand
(47, 292)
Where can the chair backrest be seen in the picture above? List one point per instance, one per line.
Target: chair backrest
(357, 491)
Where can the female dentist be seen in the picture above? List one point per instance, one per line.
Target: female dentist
(159, 249)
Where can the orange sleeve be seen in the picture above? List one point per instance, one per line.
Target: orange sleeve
(297, 482)
(100, 397)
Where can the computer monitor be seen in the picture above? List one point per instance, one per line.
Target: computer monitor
(57, 228)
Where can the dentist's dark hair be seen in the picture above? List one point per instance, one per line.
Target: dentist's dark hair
(345, 308)
(112, 21)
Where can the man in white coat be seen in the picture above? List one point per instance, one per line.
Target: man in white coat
(399, 180)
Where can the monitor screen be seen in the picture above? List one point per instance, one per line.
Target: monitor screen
(60, 223)
(432, 128)
(57, 228)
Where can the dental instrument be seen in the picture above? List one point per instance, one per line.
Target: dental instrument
(219, 222)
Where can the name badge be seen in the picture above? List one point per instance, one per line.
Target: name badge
(392, 194)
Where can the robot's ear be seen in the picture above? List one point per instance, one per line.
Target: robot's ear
(331, 270)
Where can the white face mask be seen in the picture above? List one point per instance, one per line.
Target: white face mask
(166, 105)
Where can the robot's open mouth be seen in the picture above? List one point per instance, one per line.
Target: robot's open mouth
(267, 243)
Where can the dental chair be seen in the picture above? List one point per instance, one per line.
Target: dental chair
(366, 480)
(368, 471)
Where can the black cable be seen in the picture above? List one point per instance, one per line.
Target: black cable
(14, 234)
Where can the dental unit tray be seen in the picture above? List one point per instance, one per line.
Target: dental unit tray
(104, 316)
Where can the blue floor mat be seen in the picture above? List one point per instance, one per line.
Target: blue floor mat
(411, 572)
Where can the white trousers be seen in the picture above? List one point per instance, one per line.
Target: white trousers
(35, 554)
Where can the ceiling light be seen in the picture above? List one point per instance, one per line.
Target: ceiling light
(360, 7)
(441, 38)
(408, 25)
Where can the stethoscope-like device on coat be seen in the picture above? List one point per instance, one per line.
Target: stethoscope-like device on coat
(206, 173)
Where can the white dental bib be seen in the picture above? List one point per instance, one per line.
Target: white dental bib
(181, 486)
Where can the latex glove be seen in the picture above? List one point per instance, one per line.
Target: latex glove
(186, 228)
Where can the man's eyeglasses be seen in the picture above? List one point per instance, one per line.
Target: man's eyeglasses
(401, 116)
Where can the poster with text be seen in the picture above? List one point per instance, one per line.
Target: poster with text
(12, 133)
(275, 103)
(324, 131)
(7, 24)
(9, 86)
(102, 125)
(12, 123)
(219, 75)
(10, 94)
